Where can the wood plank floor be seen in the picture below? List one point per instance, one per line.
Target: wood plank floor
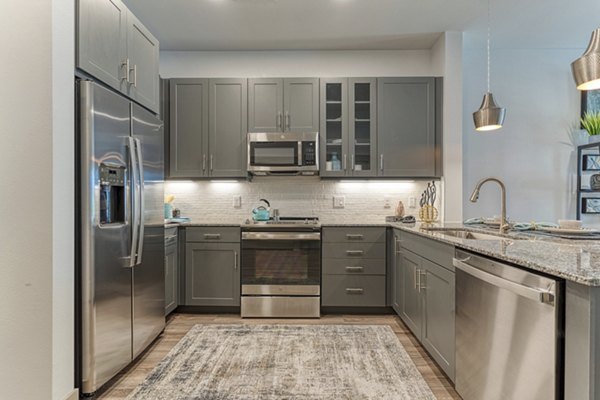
(179, 324)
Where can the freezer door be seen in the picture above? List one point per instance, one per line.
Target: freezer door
(148, 274)
(105, 235)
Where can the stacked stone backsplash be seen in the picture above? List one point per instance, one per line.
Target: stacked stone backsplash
(213, 201)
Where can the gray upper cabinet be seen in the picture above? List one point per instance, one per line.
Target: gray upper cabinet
(228, 119)
(348, 127)
(102, 41)
(301, 104)
(188, 133)
(208, 124)
(265, 105)
(283, 105)
(406, 119)
(143, 50)
(114, 47)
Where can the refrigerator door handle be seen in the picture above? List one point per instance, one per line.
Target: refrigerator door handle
(142, 203)
(134, 203)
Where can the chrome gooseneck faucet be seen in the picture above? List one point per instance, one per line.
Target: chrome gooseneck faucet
(475, 196)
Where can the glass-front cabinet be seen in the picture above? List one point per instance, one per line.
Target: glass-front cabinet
(348, 131)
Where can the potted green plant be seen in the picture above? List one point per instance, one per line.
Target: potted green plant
(591, 123)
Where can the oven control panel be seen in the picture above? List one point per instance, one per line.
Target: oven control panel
(309, 153)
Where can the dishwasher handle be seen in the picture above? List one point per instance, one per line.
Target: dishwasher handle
(543, 296)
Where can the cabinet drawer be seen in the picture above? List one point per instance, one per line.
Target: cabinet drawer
(351, 266)
(213, 234)
(353, 291)
(353, 234)
(433, 250)
(354, 250)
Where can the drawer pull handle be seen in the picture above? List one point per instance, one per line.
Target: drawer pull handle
(354, 237)
(212, 236)
(354, 290)
(354, 252)
(354, 269)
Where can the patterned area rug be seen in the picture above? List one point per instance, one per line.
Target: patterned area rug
(308, 362)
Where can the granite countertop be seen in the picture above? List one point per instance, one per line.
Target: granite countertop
(574, 260)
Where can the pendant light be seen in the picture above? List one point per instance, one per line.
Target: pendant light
(586, 69)
(490, 116)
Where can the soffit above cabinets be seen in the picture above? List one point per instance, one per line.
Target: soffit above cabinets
(212, 25)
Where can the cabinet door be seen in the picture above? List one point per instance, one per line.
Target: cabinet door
(171, 278)
(102, 41)
(334, 126)
(228, 125)
(362, 144)
(411, 302)
(437, 288)
(188, 133)
(406, 127)
(212, 274)
(142, 50)
(265, 105)
(396, 273)
(301, 104)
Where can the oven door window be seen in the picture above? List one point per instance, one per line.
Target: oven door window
(281, 262)
(274, 154)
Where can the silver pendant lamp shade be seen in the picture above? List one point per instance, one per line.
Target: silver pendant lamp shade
(586, 69)
(490, 116)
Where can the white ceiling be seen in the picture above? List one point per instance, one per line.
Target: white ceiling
(188, 25)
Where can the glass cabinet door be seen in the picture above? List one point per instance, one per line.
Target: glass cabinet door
(334, 127)
(362, 121)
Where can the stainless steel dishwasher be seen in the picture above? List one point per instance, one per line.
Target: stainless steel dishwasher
(509, 331)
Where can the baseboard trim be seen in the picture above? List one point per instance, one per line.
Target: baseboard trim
(73, 395)
(208, 309)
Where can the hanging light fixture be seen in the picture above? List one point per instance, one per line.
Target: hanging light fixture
(490, 116)
(586, 69)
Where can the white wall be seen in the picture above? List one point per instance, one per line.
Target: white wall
(36, 296)
(215, 64)
(531, 55)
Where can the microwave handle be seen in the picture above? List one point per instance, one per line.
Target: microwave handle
(300, 155)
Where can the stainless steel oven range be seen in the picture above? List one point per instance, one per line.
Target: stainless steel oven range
(281, 268)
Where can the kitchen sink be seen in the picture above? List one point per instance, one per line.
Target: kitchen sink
(465, 234)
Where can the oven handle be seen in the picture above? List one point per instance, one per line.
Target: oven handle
(308, 236)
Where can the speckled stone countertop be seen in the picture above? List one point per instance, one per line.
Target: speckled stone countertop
(574, 260)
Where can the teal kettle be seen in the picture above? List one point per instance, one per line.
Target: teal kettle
(261, 213)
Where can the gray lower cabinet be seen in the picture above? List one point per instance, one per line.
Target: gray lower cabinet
(208, 125)
(114, 47)
(212, 273)
(406, 127)
(283, 105)
(171, 270)
(423, 295)
(354, 267)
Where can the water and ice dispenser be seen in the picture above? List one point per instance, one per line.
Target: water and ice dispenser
(112, 194)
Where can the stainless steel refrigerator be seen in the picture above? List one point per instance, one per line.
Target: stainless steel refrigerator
(121, 230)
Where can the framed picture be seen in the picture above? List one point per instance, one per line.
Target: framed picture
(590, 205)
(590, 101)
(591, 162)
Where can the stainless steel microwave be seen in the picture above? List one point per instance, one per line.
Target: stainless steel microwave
(283, 153)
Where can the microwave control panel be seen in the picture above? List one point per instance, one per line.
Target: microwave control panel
(309, 153)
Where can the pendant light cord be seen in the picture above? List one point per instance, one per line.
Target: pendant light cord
(488, 44)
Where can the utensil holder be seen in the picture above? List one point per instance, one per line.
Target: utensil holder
(428, 214)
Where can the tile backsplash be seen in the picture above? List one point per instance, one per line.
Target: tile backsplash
(364, 201)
